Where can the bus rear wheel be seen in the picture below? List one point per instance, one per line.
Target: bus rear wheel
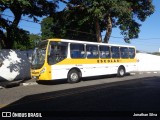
(73, 76)
(121, 71)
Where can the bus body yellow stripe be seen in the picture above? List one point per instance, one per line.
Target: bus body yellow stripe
(95, 61)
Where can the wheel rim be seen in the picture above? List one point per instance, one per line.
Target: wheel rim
(121, 72)
(74, 77)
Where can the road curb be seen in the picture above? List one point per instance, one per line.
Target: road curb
(1, 87)
(29, 83)
(149, 72)
(10, 84)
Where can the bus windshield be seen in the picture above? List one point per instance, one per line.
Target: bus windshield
(38, 56)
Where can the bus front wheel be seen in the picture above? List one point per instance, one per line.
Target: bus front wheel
(121, 71)
(73, 76)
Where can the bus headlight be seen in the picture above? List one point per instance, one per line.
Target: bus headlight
(43, 70)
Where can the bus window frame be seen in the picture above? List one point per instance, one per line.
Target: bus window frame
(115, 52)
(134, 52)
(127, 57)
(91, 52)
(84, 50)
(105, 52)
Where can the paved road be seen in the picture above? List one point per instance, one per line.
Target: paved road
(135, 94)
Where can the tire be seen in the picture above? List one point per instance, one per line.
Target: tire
(121, 71)
(73, 76)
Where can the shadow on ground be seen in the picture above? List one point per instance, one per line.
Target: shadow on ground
(119, 98)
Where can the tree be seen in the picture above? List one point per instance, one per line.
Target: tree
(33, 40)
(21, 39)
(107, 14)
(69, 27)
(46, 26)
(30, 8)
(156, 53)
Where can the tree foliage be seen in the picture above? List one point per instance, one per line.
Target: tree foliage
(156, 53)
(34, 39)
(21, 39)
(107, 14)
(67, 24)
(81, 19)
(31, 8)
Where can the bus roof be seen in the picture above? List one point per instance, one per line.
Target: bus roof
(87, 42)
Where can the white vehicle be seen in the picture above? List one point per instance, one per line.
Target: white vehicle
(72, 59)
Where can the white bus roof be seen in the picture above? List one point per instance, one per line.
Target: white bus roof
(87, 42)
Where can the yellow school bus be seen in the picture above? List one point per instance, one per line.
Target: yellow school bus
(55, 59)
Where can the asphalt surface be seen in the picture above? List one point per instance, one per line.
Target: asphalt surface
(107, 96)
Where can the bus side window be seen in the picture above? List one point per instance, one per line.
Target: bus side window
(77, 51)
(131, 52)
(124, 52)
(115, 52)
(92, 51)
(104, 52)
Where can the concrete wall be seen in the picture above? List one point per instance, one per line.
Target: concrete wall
(148, 62)
(15, 65)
